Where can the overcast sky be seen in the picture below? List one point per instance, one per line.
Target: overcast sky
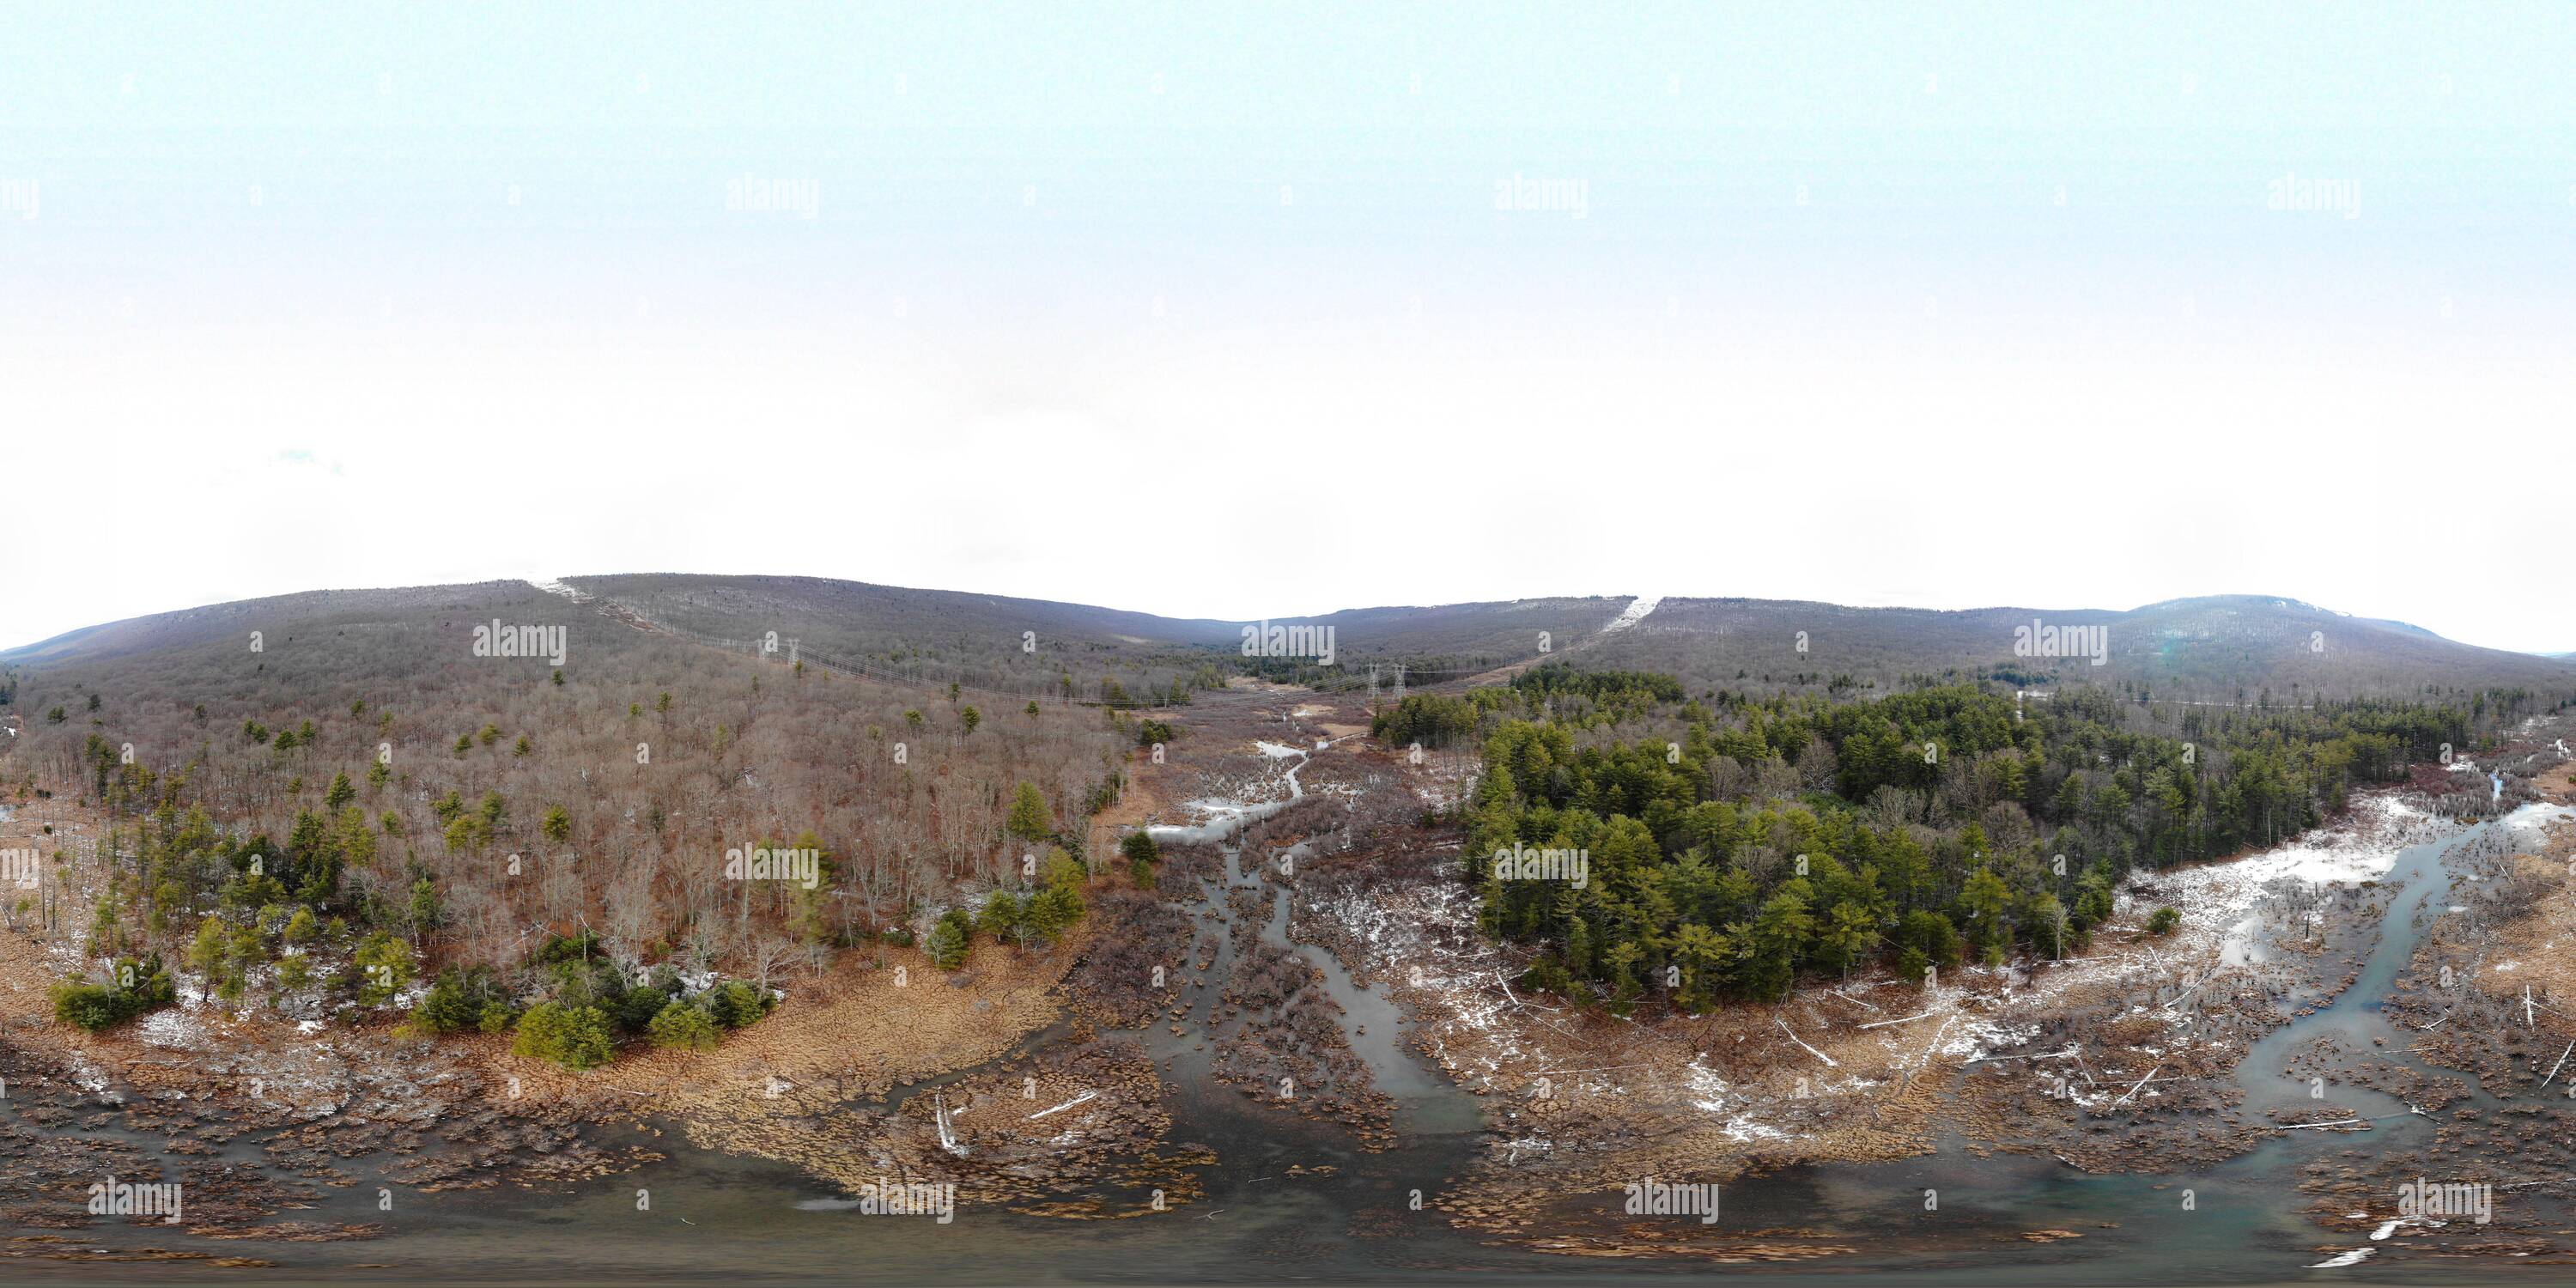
(1242, 311)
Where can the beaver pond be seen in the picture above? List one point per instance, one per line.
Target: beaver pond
(1354, 1194)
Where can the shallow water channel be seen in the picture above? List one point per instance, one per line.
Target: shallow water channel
(718, 1216)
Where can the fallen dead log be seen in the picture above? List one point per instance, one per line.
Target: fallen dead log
(1607, 1068)
(2142, 1082)
(2044, 1055)
(1793, 1036)
(1088, 1095)
(2553, 1069)
(2346, 1124)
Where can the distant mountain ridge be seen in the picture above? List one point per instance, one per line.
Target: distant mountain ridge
(2211, 646)
(2204, 647)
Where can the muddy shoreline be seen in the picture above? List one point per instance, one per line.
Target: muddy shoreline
(1434, 1122)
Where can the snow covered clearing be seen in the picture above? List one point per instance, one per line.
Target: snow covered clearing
(1633, 614)
(2222, 901)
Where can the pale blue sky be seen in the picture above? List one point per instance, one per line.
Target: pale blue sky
(1059, 254)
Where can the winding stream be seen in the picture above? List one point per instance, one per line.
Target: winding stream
(715, 1215)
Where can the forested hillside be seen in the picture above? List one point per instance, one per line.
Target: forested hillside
(1020, 648)
(1734, 843)
(355, 795)
(319, 797)
(2241, 649)
(1039, 648)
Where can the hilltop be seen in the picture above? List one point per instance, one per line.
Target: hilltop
(2235, 649)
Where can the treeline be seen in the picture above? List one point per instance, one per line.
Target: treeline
(1555, 691)
(573, 1004)
(273, 917)
(1617, 694)
(329, 820)
(926, 640)
(1768, 838)
(1439, 720)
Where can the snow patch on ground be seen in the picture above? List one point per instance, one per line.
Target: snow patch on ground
(174, 1028)
(1710, 1094)
(1221, 816)
(2223, 900)
(1633, 614)
(1708, 1089)
(1983, 1038)
(92, 1079)
(2536, 817)
(1429, 937)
